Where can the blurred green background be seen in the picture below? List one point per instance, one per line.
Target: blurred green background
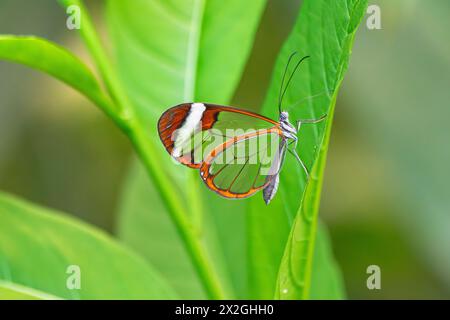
(385, 200)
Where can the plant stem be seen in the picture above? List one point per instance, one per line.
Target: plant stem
(186, 229)
(95, 48)
(190, 82)
(143, 145)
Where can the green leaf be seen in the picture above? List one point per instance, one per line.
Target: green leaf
(324, 30)
(152, 234)
(327, 282)
(12, 291)
(38, 245)
(54, 60)
(170, 52)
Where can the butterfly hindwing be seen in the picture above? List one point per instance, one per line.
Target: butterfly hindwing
(245, 164)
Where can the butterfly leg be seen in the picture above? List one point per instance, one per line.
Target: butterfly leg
(310, 121)
(293, 151)
(295, 154)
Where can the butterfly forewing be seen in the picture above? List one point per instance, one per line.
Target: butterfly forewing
(190, 132)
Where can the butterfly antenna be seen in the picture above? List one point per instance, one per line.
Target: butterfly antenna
(282, 80)
(290, 78)
(298, 102)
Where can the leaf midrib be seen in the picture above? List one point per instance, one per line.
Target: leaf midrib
(190, 75)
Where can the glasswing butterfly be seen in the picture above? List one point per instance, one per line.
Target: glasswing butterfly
(237, 152)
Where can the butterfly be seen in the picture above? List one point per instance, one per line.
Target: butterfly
(237, 152)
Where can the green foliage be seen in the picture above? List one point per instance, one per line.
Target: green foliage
(204, 246)
(264, 234)
(326, 280)
(12, 291)
(37, 245)
(320, 77)
(54, 60)
(175, 74)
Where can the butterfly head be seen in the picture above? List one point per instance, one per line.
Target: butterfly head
(284, 116)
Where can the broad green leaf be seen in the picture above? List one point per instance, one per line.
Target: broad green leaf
(170, 52)
(38, 245)
(54, 60)
(324, 30)
(327, 282)
(12, 291)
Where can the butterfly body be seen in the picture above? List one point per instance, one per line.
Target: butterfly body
(289, 133)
